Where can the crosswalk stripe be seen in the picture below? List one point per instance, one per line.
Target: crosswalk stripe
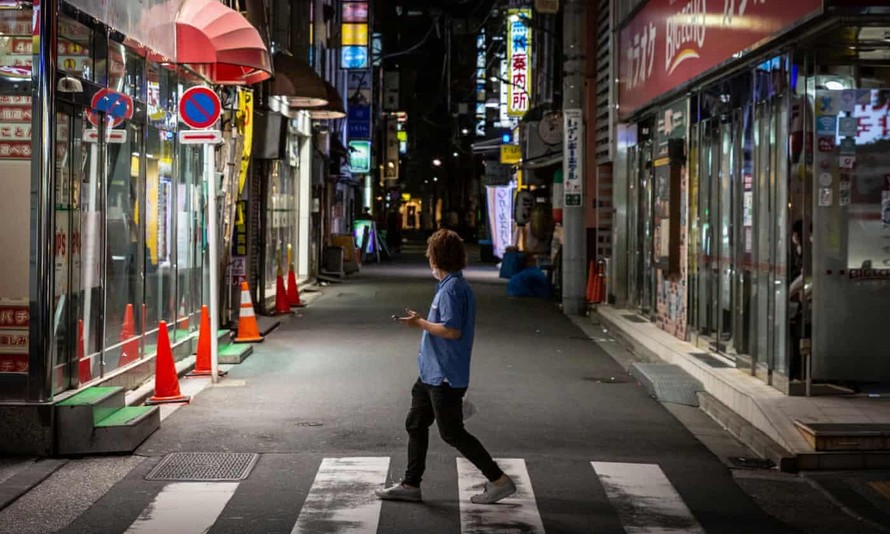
(184, 508)
(518, 513)
(646, 501)
(342, 498)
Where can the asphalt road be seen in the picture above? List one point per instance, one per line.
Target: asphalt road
(323, 402)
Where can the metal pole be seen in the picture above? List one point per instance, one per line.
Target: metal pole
(212, 238)
(42, 267)
(574, 232)
(317, 33)
(90, 244)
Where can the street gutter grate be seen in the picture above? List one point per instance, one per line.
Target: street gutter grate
(204, 466)
(710, 360)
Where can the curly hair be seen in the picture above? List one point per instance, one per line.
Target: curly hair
(446, 251)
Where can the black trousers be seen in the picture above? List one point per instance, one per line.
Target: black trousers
(444, 405)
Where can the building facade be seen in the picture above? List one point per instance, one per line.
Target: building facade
(107, 203)
(751, 193)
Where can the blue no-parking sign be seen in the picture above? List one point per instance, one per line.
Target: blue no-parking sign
(117, 106)
(199, 107)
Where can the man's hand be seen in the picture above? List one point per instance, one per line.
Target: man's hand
(413, 319)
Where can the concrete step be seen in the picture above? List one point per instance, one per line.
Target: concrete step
(89, 406)
(96, 421)
(120, 431)
(223, 337)
(234, 353)
(825, 437)
(124, 430)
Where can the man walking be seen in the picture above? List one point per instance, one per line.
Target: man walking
(444, 362)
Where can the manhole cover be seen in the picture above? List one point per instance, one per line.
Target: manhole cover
(606, 379)
(204, 466)
(310, 423)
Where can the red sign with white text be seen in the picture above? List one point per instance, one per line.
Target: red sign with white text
(670, 42)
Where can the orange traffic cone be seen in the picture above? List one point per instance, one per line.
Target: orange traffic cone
(166, 380)
(130, 349)
(84, 372)
(183, 322)
(293, 292)
(203, 367)
(282, 304)
(248, 330)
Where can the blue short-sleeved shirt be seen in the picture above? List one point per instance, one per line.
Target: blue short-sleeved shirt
(441, 359)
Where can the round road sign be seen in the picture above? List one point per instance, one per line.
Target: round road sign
(199, 107)
(118, 107)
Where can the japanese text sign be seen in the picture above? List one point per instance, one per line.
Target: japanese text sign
(670, 42)
(519, 61)
(573, 164)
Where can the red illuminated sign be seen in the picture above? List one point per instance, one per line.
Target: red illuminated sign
(670, 42)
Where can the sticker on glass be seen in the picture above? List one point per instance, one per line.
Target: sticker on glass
(826, 125)
(848, 100)
(847, 126)
(847, 162)
(825, 197)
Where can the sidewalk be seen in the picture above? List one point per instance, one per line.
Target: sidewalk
(751, 409)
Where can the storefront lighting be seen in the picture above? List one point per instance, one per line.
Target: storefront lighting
(455, 154)
(834, 85)
(437, 162)
(465, 131)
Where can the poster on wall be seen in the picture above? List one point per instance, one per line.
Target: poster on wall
(14, 324)
(15, 127)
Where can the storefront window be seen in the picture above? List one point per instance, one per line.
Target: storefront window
(189, 238)
(75, 49)
(160, 299)
(91, 200)
(15, 202)
(126, 71)
(125, 250)
(280, 222)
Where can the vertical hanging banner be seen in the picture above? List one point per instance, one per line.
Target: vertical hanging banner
(573, 158)
(519, 61)
(500, 217)
(245, 116)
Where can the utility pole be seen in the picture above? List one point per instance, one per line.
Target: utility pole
(574, 233)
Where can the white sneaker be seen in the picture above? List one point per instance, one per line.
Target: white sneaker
(399, 492)
(494, 492)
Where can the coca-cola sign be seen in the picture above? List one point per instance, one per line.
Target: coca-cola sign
(670, 42)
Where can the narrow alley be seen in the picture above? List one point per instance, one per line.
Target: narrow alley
(322, 402)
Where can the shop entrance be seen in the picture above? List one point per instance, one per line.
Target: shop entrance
(716, 290)
(640, 249)
(740, 209)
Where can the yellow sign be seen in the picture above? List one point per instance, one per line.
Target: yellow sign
(355, 34)
(510, 154)
(245, 122)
